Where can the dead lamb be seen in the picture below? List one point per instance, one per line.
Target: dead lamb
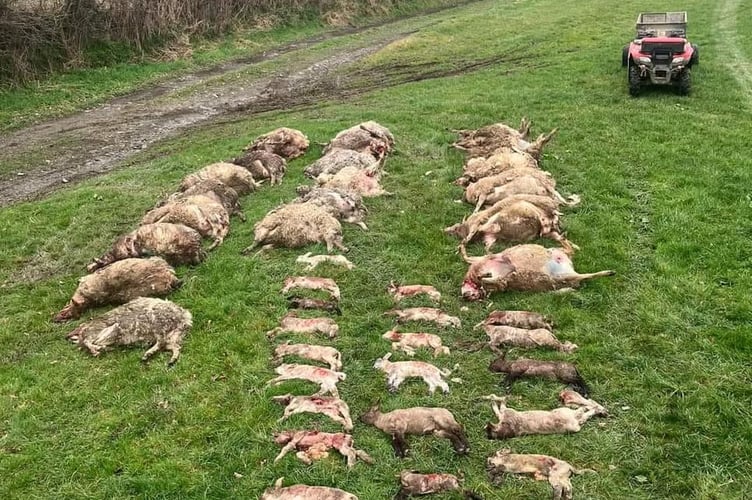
(295, 302)
(501, 160)
(337, 159)
(231, 175)
(285, 142)
(203, 213)
(398, 371)
(509, 336)
(563, 420)
(159, 323)
(413, 483)
(418, 421)
(291, 323)
(214, 188)
(486, 140)
(409, 342)
(326, 379)
(263, 165)
(332, 407)
(518, 319)
(312, 283)
(297, 225)
(324, 354)
(541, 467)
(175, 243)
(313, 261)
(314, 445)
(560, 371)
(346, 206)
(531, 268)
(399, 293)
(119, 283)
(364, 137)
(305, 492)
(429, 314)
(364, 182)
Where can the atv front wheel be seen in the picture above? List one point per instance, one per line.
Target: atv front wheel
(635, 82)
(695, 59)
(685, 82)
(625, 56)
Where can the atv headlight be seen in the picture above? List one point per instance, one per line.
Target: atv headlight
(644, 60)
(678, 61)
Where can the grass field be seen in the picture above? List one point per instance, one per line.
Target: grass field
(665, 344)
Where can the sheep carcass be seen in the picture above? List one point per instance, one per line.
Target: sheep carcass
(231, 175)
(330, 306)
(263, 165)
(285, 142)
(160, 323)
(418, 421)
(501, 160)
(402, 292)
(517, 319)
(324, 354)
(346, 206)
(325, 378)
(312, 261)
(203, 213)
(409, 342)
(415, 484)
(563, 420)
(509, 336)
(486, 140)
(560, 371)
(119, 283)
(398, 371)
(541, 467)
(429, 314)
(291, 323)
(332, 407)
(305, 492)
(365, 182)
(176, 243)
(337, 159)
(312, 283)
(530, 268)
(296, 225)
(313, 445)
(214, 188)
(366, 137)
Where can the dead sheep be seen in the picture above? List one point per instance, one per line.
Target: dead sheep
(409, 342)
(313, 261)
(119, 283)
(525, 184)
(398, 371)
(214, 188)
(501, 160)
(418, 421)
(540, 467)
(363, 182)
(508, 336)
(291, 323)
(346, 206)
(314, 445)
(327, 285)
(517, 319)
(329, 406)
(399, 293)
(297, 225)
(477, 192)
(305, 492)
(428, 314)
(159, 323)
(560, 371)
(337, 159)
(263, 165)
(231, 175)
(413, 483)
(285, 142)
(484, 141)
(326, 379)
(365, 137)
(324, 354)
(525, 268)
(203, 213)
(329, 306)
(175, 243)
(563, 420)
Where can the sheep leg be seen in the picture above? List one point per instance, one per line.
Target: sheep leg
(400, 445)
(364, 456)
(152, 350)
(458, 443)
(285, 450)
(174, 348)
(335, 240)
(442, 385)
(584, 414)
(93, 348)
(402, 494)
(497, 477)
(509, 381)
(303, 457)
(560, 482)
(274, 332)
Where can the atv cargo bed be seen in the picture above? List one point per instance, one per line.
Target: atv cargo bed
(656, 24)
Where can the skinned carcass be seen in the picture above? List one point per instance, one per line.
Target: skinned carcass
(314, 445)
(304, 492)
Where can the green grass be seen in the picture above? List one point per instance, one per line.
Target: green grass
(665, 344)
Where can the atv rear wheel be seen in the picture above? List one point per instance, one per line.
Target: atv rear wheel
(685, 82)
(625, 56)
(635, 82)
(695, 59)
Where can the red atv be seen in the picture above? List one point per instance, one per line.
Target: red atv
(661, 54)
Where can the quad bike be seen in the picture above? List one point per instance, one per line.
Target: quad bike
(661, 54)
